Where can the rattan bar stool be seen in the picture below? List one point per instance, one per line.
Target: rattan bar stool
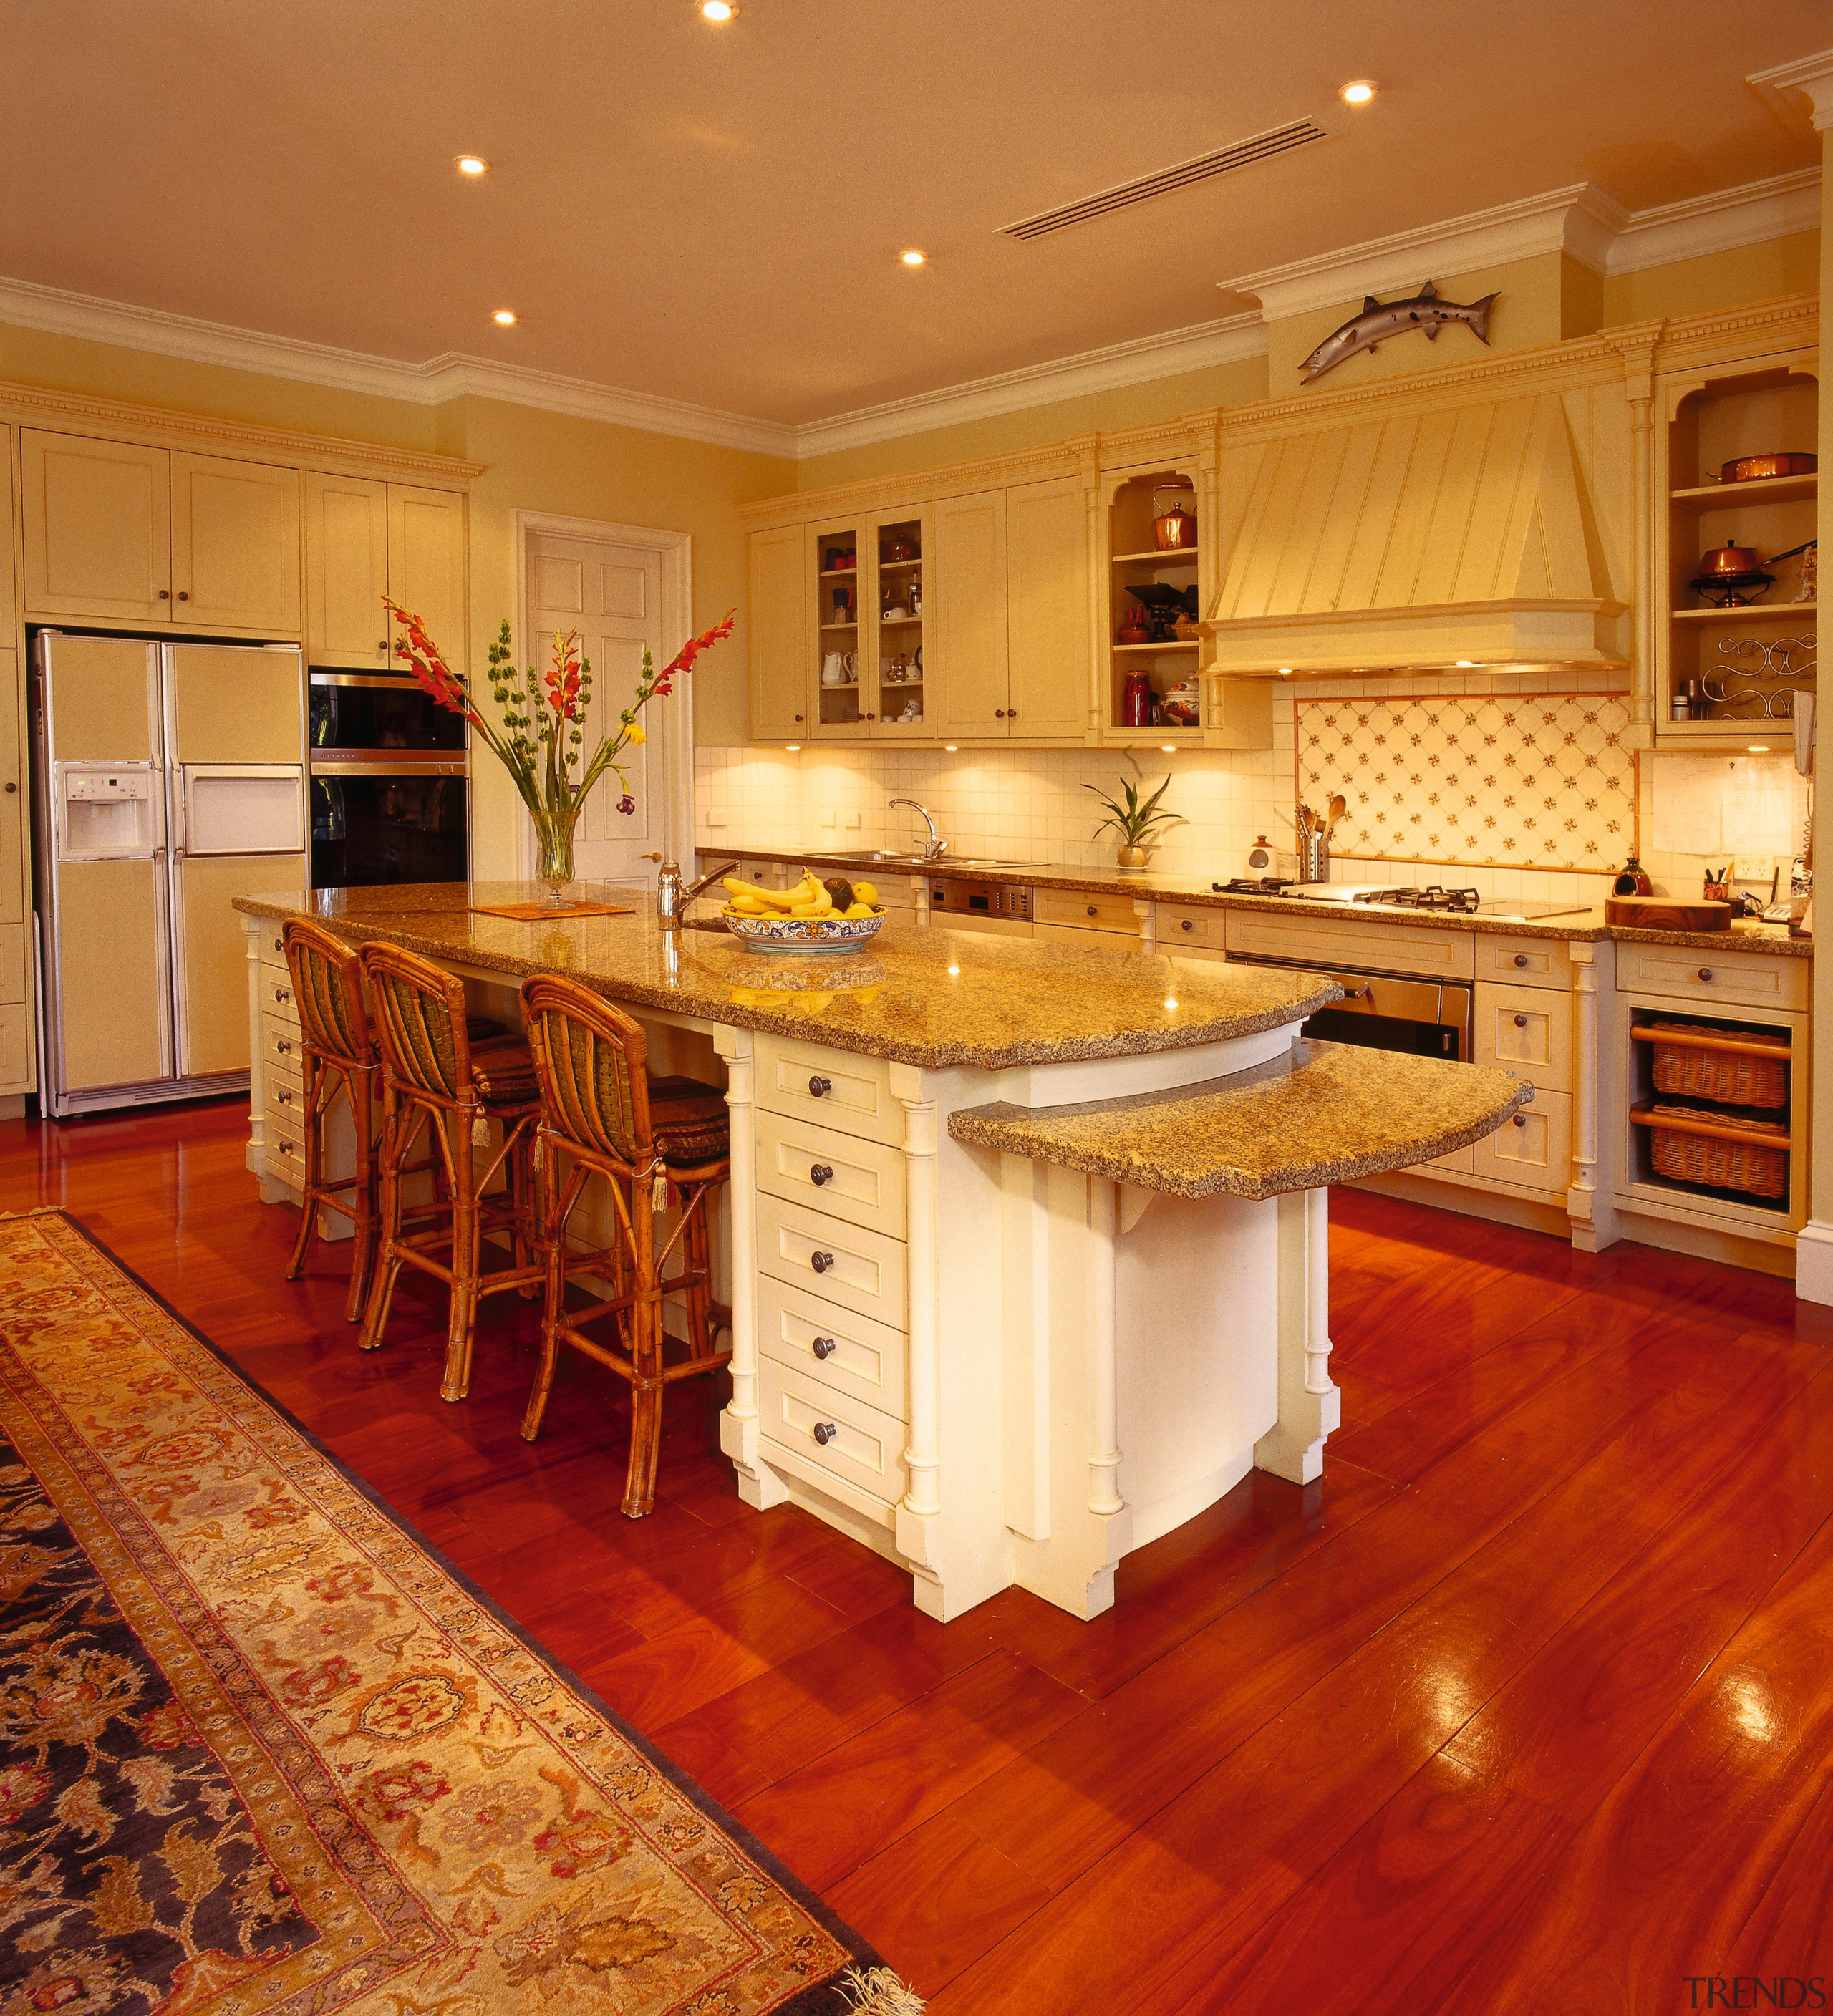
(603, 1114)
(435, 1081)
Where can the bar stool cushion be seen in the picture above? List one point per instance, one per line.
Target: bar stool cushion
(504, 1074)
(689, 1121)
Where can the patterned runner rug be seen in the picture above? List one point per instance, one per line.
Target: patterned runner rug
(262, 1750)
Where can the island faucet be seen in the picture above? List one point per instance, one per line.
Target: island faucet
(934, 849)
(672, 898)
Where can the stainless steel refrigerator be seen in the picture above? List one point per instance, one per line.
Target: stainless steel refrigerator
(168, 778)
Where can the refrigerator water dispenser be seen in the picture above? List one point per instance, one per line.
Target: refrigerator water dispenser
(105, 812)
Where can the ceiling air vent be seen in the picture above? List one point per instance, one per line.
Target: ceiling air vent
(1242, 154)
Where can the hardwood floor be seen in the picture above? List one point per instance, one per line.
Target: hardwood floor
(1528, 1705)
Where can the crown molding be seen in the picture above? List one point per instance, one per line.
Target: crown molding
(1199, 347)
(54, 312)
(1811, 75)
(1750, 214)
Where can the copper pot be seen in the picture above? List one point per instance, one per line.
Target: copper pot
(1728, 560)
(1753, 468)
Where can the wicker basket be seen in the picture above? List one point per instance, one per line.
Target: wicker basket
(1718, 1149)
(1739, 1067)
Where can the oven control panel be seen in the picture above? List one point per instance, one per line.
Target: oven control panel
(962, 898)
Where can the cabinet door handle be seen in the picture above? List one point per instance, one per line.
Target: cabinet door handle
(820, 1173)
(13, 787)
(1011, 714)
(823, 1347)
(799, 717)
(184, 595)
(999, 713)
(1521, 1120)
(383, 646)
(819, 1088)
(165, 595)
(820, 1261)
(825, 1432)
(1521, 959)
(1705, 973)
(1521, 1021)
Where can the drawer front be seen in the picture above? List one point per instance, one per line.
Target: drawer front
(1726, 978)
(1335, 941)
(1459, 1162)
(1534, 1149)
(12, 962)
(279, 1043)
(284, 1099)
(276, 995)
(833, 1345)
(1123, 943)
(839, 1174)
(831, 1088)
(863, 1271)
(1178, 924)
(831, 1430)
(1087, 911)
(273, 947)
(16, 1060)
(1526, 1030)
(1523, 962)
(286, 1146)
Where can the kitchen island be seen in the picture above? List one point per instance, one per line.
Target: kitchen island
(1027, 1242)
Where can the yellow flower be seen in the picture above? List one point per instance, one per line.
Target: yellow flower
(634, 732)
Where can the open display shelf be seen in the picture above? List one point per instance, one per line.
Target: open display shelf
(1170, 666)
(1706, 1114)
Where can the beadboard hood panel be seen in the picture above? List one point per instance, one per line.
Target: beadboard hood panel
(1417, 542)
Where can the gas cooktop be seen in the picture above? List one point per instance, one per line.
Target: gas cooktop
(1434, 898)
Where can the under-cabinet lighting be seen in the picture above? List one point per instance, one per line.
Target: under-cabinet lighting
(718, 10)
(1466, 665)
(1360, 92)
(504, 317)
(792, 747)
(1285, 671)
(1170, 748)
(913, 258)
(951, 746)
(472, 164)
(1757, 749)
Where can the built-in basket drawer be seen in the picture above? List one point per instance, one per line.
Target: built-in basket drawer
(843, 1174)
(830, 1432)
(1086, 910)
(1744, 980)
(1177, 925)
(834, 1345)
(1526, 962)
(279, 1044)
(1534, 1149)
(1526, 1030)
(1336, 941)
(832, 1088)
(863, 1271)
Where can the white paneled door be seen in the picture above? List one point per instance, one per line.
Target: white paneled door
(612, 594)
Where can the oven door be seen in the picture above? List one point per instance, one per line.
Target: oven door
(376, 715)
(376, 822)
(1382, 1011)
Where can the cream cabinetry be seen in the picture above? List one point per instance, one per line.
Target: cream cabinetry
(1070, 914)
(971, 617)
(366, 540)
(426, 562)
(1047, 599)
(779, 651)
(118, 532)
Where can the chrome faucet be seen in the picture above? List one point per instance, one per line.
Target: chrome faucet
(934, 849)
(672, 897)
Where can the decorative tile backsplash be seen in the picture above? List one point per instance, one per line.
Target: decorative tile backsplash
(1499, 780)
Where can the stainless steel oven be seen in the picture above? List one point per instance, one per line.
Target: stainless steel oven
(1389, 1011)
(399, 820)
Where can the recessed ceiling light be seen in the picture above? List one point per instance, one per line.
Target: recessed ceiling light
(473, 164)
(506, 316)
(913, 258)
(1171, 1001)
(718, 10)
(1358, 93)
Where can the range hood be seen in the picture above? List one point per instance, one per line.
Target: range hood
(1421, 543)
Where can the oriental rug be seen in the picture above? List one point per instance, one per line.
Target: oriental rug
(262, 1750)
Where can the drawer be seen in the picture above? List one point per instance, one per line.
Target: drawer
(1526, 1030)
(1534, 1149)
(1120, 943)
(1178, 924)
(839, 1174)
(1086, 910)
(863, 1271)
(17, 1062)
(1335, 941)
(1727, 978)
(832, 1088)
(276, 995)
(284, 1099)
(1459, 1162)
(831, 1431)
(279, 1043)
(286, 1148)
(835, 1346)
(12, 962)
(273, 947)
(1526, 962)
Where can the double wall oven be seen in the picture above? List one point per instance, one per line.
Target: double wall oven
(391, 783)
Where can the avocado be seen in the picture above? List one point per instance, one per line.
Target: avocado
(841, 890)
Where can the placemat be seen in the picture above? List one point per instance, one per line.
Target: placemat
(535, 913)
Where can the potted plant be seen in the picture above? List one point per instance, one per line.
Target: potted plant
(1139, 823)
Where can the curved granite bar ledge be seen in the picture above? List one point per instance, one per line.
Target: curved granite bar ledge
(1026, 1243)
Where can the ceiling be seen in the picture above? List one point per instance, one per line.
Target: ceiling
(713, 214)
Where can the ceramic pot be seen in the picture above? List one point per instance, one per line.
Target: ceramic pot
(1136, 630)
(1131, 861)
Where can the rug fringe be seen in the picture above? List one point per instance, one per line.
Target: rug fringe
(879, 1993)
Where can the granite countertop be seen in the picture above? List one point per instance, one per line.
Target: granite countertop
(1327, 1114)
(1586, 924)
(929, 997)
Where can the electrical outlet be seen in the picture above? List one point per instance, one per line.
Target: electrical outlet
(827, 821)
(853, 820)
(715, 819)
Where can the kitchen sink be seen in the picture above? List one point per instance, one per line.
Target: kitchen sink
(982, 861)
(872, 854)
(943, 865)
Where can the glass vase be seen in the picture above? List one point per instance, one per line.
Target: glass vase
(553, 868)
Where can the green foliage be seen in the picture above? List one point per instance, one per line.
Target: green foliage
(1139, 823)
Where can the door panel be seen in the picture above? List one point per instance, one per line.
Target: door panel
(967, 594)
(111, 955)
(427, 565)
(13, 800)
(235, 543)
(227, 704)
(346, 572)
(97, 517)
(210, 954)
(101, 693)
(1047, 608)
(779, 635)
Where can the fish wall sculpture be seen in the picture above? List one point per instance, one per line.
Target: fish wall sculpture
(1376, 323)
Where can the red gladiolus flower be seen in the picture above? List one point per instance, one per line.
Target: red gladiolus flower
(434, 677)
(684, 658)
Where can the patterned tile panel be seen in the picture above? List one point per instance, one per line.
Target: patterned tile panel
(1489, 780)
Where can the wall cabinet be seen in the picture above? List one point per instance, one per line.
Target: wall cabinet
(120, 533)
(365, 540)
(970, 620)
(779, 644)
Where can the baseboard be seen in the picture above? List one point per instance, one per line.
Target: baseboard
(1728, 1248)
(1813, 1261)
(1495, 1205)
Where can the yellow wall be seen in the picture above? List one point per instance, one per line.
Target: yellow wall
(1721, 280)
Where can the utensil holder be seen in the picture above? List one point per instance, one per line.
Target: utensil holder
(1314, 857)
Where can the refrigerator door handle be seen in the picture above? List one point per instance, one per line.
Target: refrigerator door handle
(162, 895)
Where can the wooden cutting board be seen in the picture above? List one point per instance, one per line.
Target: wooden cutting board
(1667, 913)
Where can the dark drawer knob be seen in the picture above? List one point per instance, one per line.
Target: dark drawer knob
(1188, 926)
(823, 1347)
(279, 945)
(1521, 1021)
(1093, 911)
(285, 1098)
(820, 1261)
(1521, 959)
(819, 1088)
(284, 1147)
(825, 1432)
(283, 1050)
(282, 994)
(1521, 1120)
(1705, 973)
(820, 1174)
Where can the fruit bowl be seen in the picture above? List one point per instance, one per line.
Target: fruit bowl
(823, 934)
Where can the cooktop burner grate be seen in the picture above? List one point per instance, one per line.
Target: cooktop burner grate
(1253, 885)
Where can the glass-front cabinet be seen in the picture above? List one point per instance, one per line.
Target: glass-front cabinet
(868, 576)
